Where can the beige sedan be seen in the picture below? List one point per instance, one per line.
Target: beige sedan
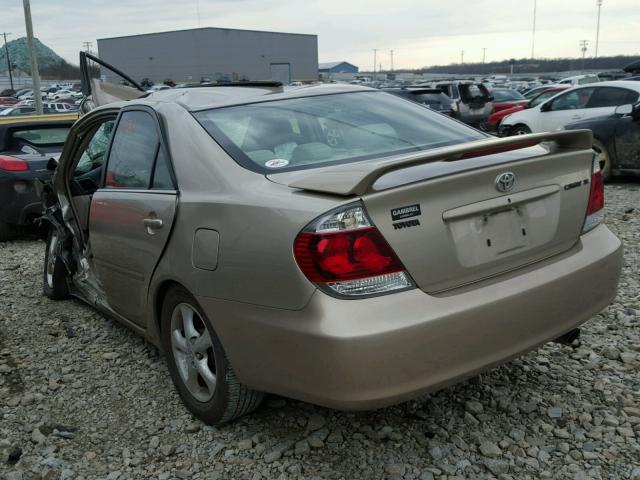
(334, 244)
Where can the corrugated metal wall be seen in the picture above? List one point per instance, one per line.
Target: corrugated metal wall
(213, 53)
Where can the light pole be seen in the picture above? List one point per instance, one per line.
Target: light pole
(461, 57)
(484, 53)
(375, 60)
(35, 75)
(583, 47)
(391, 59)
(599, 3)
(533, 33)
(6, 50)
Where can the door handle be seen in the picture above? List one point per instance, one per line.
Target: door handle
(152, 223)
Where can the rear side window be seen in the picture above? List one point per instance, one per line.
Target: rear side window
(612, 97)
(133, 150)
(328, 129)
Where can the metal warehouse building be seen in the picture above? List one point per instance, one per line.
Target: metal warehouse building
(214, 54)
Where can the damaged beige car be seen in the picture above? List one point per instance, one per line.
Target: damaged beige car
(334, 244)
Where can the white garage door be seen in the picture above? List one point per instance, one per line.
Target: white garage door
(281, 72)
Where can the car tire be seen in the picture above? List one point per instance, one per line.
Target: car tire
(602, 155)
(520, 130)
(198, 364)
(7, 231)
(54, 276)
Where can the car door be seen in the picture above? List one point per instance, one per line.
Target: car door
(627, 142)
(131, 215)
(563, 109)
(605, 100)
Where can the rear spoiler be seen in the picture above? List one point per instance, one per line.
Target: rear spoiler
(357, 178)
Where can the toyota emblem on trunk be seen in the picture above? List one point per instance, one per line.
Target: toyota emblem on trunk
(505, 181)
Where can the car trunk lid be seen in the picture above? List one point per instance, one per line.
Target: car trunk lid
(453, 226)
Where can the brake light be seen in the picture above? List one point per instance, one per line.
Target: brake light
(595, 207)
(344, 253)
(12, 164)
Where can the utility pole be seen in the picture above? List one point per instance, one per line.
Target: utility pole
(6, 50)
(599, 3)
(35, 75)
(461, 57)
(533, 33)
(484, 53)
(375, 61)
(583, 47)
(391, 55)
(87, 46)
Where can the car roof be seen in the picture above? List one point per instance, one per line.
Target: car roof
(630, 84)
(204, 98)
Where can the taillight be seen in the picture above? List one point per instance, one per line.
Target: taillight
(12, 164)
(345, 254)
(595, 208)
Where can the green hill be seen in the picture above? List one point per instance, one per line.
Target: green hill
(50, 64)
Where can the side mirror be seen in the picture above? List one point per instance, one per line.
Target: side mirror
(545, 107)
(624, 109)
(491, 98)
(52, 164)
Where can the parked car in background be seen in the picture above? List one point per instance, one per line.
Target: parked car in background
(8, 101)
(157, 88)
(60, 107)
(578, 103)
(432, 98)
(25, 150)
(335, 244)
(504, 98)
(63, 95)
(616, 140)
(534, 92)
(496, 118)
(471, 102)
(580, 80)
(20, 110)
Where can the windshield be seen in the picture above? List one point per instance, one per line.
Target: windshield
(543, 96)
(318, 131)
(506, 95)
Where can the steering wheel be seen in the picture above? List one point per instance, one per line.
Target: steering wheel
(334, 137)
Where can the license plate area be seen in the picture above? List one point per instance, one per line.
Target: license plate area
(492, 235)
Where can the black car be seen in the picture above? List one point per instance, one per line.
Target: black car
(616, 140)
(25, 150)
(429, 97)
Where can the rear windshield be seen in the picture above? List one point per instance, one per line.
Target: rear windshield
(506, 95)
(329, 129)
(43, 136)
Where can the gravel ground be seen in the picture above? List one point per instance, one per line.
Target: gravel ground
(83, 397)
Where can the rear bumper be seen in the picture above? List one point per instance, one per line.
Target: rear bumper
(19, 205)
(363, 354)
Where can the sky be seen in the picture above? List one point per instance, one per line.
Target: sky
(420, 32)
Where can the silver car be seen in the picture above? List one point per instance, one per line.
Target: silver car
(334, 244)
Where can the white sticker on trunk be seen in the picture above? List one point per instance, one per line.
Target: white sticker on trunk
(277, 163)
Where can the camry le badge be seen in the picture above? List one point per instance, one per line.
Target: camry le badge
(505, 181)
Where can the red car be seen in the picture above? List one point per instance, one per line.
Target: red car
(496, 117)
(8, 100)
(504, 98)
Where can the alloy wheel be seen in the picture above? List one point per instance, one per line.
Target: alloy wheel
(192, 348)
(51, 258)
